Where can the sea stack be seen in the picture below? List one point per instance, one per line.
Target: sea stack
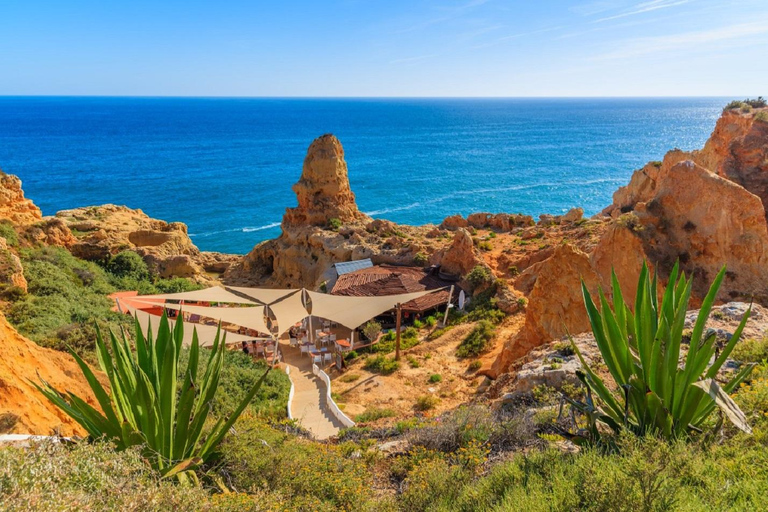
(323, 190)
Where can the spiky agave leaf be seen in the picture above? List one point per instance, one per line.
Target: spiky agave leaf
(143, 405)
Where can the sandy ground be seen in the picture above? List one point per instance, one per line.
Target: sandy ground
(400, 390)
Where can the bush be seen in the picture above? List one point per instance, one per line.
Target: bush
(373, 414)
(8, 232)
(474, 366)
(435, 378)
(479, 276)
(294, 473)
(477, 340)
(176, 285)
(485, 246)
(334, 224)
(420, 259)
(426, 402)
(381, 364)
(418, 324)
(762, 116)
(747, 103)
(66, 297)
(130, 265)
(88, 477)
(430, 321)
(350, 377)
(751, 350)
(439, 332)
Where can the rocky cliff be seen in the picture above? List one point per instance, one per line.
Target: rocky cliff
(103, 231)
(703, 208)
(23, 409)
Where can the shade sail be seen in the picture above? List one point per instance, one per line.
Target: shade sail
(205, 333)
(263, 295)
(213, 294)
(250, 317)
(288, 312)
(352, 312)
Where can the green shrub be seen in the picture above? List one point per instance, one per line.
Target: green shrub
(754, 350)
(9, 233)
(88, 476)
(373, 414)
(176, 285)
(66, 296)
(418, 324)
(475, 365)
(426, 402)
(130, 265)
(435, 378)
(143, 407)
(479, 276)
(413, 362)
(334, 224)
(477, 340)
(381, 364)
(642, 351)
(420, 259)
(350, 377)
(430, 321)
(762, 116)
(485, 246)
(294, 473)
(439, 332)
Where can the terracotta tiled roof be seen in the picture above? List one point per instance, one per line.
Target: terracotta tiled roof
(391, 280)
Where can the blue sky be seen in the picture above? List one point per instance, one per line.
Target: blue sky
(392, 48)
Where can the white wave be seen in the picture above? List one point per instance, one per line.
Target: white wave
(234, 230)
(260, 228)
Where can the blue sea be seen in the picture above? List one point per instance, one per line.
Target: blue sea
(225, 166)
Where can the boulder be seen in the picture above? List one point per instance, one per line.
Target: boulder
(574, 215)
(461, 257)
(479, 220)
(454, 222)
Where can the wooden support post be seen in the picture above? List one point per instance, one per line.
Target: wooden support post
(397, 331)
(448, 307)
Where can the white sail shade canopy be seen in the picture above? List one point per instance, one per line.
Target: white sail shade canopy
(205, 333)
(264, 295)
(213, 294)
(352, 312)
(250, 317)
(288, 312)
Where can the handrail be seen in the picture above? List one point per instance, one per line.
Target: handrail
(290, 393)
(338, 413)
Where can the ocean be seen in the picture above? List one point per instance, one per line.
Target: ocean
(225, 166)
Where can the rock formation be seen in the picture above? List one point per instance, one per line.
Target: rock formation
(11, 271)
(23, 409)
(309, 244)
(323, 190)
(555, 304)
(13, 205)
(103, 231)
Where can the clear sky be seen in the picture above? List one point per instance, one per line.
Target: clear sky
(384, 48)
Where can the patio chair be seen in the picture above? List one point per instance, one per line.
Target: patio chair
(333, 337)
(327, 357)
(305, 349)
(317, 359)
(294, 343)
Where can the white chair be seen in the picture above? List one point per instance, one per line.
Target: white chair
(333, 337)
(327, 357)
(317, 359)
(305, 349)
(294, 343)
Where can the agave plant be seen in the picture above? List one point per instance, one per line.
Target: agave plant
(656, 392)
(144, 406)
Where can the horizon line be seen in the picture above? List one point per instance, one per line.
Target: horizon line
(266, 97)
